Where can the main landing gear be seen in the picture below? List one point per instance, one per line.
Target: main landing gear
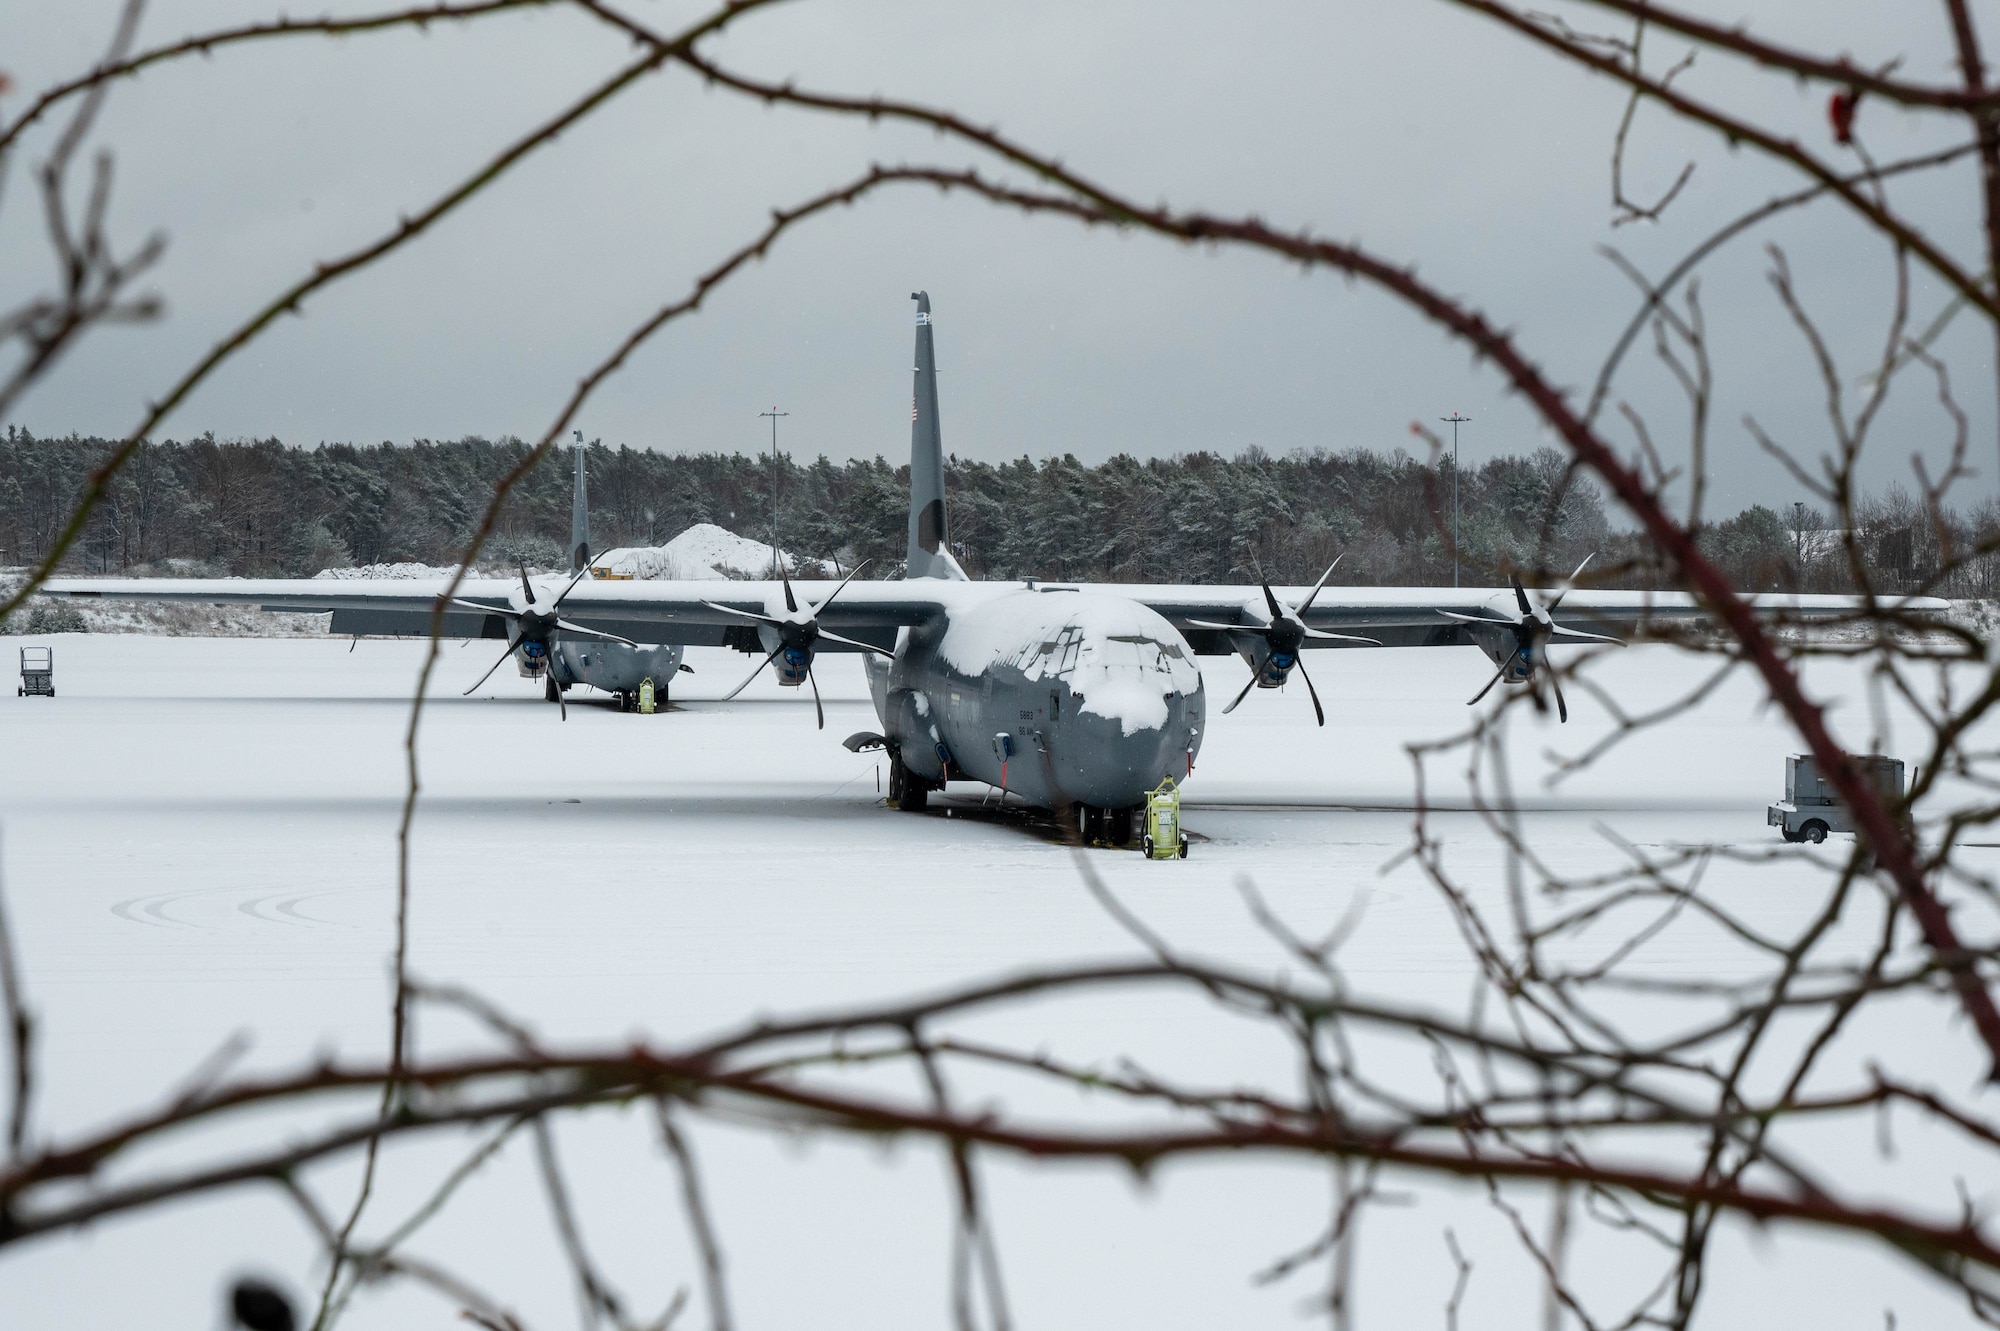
(907, 791)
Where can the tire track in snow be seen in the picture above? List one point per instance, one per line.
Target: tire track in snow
(284, 909)
(153, 909)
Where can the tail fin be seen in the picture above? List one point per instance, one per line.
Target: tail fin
(929, 554)
(579, 515)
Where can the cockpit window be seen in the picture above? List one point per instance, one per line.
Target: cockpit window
(1059, 653)
(1138, 649)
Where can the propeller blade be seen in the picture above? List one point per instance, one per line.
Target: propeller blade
(1318, 711)
(1341, 637)
(1474, 700)
(1478, 619)
(1321, 583)
(1277, 611)
(1562, 708)
(464, 604)
(745, 614)
(580, 631)
(818, 609)
(1521, 596)
(1558, 598)
(850, 642)
(511, 645)
(575, 580)
(791, 602)
(816, 702)
(1227, 628)
(1241, 696)
(562, 701)
(526, 590)
(754, 673)
(1561, 632)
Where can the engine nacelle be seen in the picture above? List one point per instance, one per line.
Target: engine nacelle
(1518, 661)
(791, 660)
(533, 659)
(792, 666)
(1270, 666)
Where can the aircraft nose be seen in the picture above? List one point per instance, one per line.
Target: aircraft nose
(1113, 768)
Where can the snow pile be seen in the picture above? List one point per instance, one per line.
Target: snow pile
(399, 571)
(706, 551)
(160, 619)
(638, 561)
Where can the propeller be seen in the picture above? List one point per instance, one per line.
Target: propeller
(799, 630)
(1531, 630)
(537, 624)
(1284, 635)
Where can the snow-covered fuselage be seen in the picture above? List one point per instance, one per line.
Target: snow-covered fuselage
(614, 667)
(1060, 697)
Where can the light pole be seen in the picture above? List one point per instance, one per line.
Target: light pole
(1456, 420)
(774, 413)
(1799, 538)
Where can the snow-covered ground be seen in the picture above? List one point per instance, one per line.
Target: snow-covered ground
(198, 839)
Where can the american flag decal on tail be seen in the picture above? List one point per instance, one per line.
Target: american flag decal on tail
(913, 408)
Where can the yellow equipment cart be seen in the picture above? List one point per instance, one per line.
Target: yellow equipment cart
(1164, 839)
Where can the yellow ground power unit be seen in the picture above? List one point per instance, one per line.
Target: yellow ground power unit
(1164, 839)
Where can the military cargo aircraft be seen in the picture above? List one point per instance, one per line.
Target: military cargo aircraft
(618, 668)
(1074, 697)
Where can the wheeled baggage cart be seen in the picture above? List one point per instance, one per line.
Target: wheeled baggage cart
(38, 673)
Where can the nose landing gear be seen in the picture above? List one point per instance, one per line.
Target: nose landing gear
(1104, 827)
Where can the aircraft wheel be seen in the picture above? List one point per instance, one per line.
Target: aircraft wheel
(906, 792)
(1814, 831)
(1121, 826)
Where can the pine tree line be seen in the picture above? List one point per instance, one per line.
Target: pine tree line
(260, 508)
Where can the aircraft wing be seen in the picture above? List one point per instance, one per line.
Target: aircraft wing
(687, 613)
(1427, 616)
(650, 612)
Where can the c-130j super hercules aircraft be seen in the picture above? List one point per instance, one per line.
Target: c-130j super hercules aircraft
(1068, 696)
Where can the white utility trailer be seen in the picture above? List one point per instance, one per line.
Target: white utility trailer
(1810, 809)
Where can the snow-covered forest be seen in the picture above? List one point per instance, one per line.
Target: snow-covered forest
(263, 508)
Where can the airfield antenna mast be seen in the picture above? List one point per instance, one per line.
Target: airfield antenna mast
(1456, 420)
(774, 413)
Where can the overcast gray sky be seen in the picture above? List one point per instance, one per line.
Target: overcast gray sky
(1427, 133)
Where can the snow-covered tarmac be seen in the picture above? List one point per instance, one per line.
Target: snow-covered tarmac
(199, 839)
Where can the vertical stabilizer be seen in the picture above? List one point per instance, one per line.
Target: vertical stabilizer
(929, 554)
(579, 515)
